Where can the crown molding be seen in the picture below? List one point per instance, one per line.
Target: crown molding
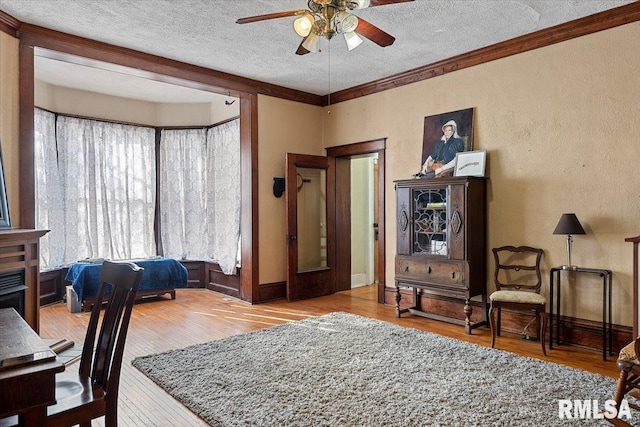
(580, 27)
(85, 51)
(9, 24)
(167, 70)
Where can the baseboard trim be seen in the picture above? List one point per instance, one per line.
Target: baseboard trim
(272, 291)
(579, 332)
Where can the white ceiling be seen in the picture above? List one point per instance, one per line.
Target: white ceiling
(204, 33)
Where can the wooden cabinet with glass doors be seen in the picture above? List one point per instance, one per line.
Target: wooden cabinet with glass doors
(441, 245)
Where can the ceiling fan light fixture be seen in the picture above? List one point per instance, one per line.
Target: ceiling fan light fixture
(326, 18)
(303, 24)
(348, 21)
(353, 40)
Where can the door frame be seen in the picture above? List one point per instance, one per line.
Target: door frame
(343, 153)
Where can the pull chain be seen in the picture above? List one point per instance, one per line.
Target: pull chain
(329, 97)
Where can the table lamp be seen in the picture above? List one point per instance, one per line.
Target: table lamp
(569, 225)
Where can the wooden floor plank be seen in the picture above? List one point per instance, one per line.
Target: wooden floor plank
(198, 316)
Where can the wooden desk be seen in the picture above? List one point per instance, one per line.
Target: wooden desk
(27, 371)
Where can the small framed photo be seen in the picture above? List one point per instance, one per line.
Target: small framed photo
(470, 163)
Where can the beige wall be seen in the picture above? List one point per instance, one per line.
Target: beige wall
(91, 104)
(560, 125)
(283, 126)
(9, 121)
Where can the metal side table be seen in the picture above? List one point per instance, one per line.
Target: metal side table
(555, 318)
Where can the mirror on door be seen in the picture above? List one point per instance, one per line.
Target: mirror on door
(312, 219)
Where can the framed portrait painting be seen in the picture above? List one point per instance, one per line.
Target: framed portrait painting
(444, 136)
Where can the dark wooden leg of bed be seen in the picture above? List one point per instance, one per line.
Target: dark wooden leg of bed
(87, 305)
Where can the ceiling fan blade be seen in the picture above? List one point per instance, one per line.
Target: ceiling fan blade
(301, 50)
(374, 33)
(386, 2)
(269, 16)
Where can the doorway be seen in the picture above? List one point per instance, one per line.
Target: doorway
(364, 220)
(371, 223)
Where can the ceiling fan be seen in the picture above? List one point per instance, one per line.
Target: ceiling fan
(326, 18)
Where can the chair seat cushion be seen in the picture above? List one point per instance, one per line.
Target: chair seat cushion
(628, 354)
(522, 297)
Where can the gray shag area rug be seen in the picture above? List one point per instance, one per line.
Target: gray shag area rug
(345, 370)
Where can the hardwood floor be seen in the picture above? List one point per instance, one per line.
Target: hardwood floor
(197, 316)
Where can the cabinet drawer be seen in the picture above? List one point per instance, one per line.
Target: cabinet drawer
(445, 272)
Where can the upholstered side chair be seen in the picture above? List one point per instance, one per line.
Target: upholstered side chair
(518, 281)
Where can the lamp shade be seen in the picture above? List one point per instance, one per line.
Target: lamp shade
(353, 40)
(348, 21)
(569, 224)
(303, 24)
(311, 42)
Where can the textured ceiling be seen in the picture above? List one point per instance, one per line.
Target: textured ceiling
(204, 33)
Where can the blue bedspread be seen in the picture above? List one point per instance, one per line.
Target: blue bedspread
(163, 273)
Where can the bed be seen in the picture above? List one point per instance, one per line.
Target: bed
(161, 276)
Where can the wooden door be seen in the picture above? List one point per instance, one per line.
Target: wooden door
(310, 207)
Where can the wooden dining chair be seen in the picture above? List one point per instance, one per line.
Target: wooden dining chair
(518, 281)
(93, 391)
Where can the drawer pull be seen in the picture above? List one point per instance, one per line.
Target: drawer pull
(453, 274)
(429, 270)
(406, 269)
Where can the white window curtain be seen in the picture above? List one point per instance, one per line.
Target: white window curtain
(200, 194)
(48, 191)
(224, 149)
(105, 189)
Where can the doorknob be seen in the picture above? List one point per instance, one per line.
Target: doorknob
(292, 238)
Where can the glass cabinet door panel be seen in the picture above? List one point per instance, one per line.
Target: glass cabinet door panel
(430, 221)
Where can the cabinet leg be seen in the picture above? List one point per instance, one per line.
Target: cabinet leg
(467, 313)
(398, 298)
